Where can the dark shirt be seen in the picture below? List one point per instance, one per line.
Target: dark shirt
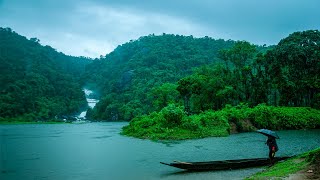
(271, 142)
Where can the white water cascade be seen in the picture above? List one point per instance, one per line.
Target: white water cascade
(91, 103)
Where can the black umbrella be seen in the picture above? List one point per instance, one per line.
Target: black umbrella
(268, 132)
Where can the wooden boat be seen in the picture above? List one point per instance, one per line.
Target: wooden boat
(223, 165)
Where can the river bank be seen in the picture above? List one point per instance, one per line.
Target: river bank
(44, 122)
(304, 166)
(30, 122)
(58, 119)
(172, 123)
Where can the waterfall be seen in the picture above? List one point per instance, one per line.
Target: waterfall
(91, 103)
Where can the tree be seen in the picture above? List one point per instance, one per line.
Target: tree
(163, 95)
(294, 66)
(241, 56)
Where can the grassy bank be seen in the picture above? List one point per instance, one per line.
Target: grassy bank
(21, 120)
(28, 122)
(172, 123)
(303, 166)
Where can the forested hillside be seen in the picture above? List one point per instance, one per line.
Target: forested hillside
(273, 90)
(133, 78)
(148, 74)
(286, 75)
(37, 82)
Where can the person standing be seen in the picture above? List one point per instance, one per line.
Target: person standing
(273, 148)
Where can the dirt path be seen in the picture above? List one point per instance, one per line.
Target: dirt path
(311, 172)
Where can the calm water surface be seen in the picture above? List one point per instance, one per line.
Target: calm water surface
(97, 151)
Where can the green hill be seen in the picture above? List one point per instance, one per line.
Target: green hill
(37, 82)
(130, 77)
(278, 89)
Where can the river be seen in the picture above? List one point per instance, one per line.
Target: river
(97, 151)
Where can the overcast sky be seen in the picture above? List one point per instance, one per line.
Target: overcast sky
(95, 27)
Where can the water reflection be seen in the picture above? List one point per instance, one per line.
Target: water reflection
(168, 143)
(102, 137)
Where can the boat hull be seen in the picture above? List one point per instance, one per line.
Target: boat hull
(223, 165)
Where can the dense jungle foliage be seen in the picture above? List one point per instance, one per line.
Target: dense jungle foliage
(286, 75)
(173, 123)
(146, 75)
(140, 76)
(37, 82)
(155, 73)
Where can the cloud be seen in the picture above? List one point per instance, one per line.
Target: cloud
(79, 45)
(95, 27)
(90, 28)
(101, 28)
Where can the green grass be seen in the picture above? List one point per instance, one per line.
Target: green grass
(281, 169)
(290, 166)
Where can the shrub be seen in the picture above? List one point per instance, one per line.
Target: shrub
(173, 115)
(172, 123)
(279, 118)
(191, 124)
